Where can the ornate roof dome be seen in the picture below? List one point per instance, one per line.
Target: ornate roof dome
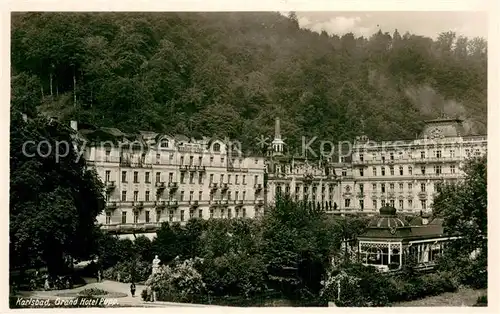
(387, 219)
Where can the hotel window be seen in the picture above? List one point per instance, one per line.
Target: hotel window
(124, 176)
(229, 213)
(171, 215)
(211, 160)
(146, 177)
(146, 196)
(437, 169)
(108, 218)
(244, 179)
(236, 179)
(410, 204)
(229, 195)
(374, 171)
(200, 194)
(200, 213)
(361, 204)
(392, 170)
(221, 178)
(244, 212)
(244, 195)
(237, 212)
(108, 153)
(361, 157)
(236, 194)
(422, 155)
(361, 188)
(452, 168)
(344, 173)
(410, 170)
(170, 177)
(158, 176)
(438, 154)
(200, 160)
(136, 177)
(374, 204)
(424, 204)
(222, 160)
(410, 186)
(164, 143)
(256, 179)
(191, 178)
(361, 172)
(182, 215)
(422, 169)
(383, 171)
(182, 195)
(191, 193)
(211, 213)
(401, 186)
(136, 217)
(422, 187)
(374, 186)
(108, 174)
(158, 215)
(211, 196)
(182, 160)
(136, 196)
(124, 217)
(158, 159)
(124, 196)
(222, 213)
(401, 171)
(191, 158)
(391, 186)
(347, 203)
(171, 158)
(211, 180)
(392, 202)
(452, 153)
(382, 187)
(382, 202)
(383, 158)
(401, 203)
(228, 179)
(391, 155)
(191, 213)
(147, 216)
(182, 177)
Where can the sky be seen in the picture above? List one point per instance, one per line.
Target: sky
(430, 23)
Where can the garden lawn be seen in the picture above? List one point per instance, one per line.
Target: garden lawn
(462, 297)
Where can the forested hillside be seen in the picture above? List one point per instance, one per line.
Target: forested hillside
(231, 74)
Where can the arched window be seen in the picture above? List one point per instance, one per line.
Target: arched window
(216, 147)
(164, 143)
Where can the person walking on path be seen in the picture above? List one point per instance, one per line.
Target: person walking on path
(132, 289)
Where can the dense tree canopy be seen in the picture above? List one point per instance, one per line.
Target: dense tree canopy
(54, 197)
(230, 74)
(464, 208)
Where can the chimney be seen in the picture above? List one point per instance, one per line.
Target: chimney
(277, 131)
(74, 125)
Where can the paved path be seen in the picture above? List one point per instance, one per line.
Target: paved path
(114, 286)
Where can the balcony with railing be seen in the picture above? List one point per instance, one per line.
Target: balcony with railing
(173, 204)
(224, 187)
(160, 185)
(422, 195)
(111, 205)
(213, 187)
(138, 205)
(238, 203)
(193, 204)
(110, 186)
(160, 204)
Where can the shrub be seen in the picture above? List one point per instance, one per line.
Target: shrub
(482, 301)
(93, 292)
(128, 271)
(179, 282)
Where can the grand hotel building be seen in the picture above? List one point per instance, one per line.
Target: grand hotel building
(152, 178)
